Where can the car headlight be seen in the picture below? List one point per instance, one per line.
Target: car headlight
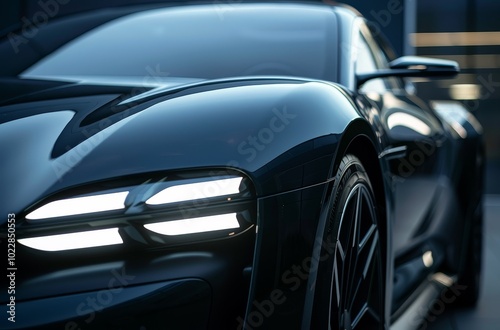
(195, 225)
(73, 241)
(166, 210)
(80, 205)
(193, 191)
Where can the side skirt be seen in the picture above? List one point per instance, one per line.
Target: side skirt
(416, 311)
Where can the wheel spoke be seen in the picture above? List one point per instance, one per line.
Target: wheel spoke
(353, 251)
(336, 275)
(354, 277)
(360, 315)
(369, 258)
(357, 216)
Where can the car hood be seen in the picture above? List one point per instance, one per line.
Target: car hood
(52, 143)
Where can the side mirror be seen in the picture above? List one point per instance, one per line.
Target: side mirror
(414, 66)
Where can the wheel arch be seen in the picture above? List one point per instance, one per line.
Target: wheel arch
(359, 140)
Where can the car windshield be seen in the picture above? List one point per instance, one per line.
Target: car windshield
(202, 42)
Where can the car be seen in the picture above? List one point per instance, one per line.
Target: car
(239, 165)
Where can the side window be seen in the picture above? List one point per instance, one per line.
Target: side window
(367, 63)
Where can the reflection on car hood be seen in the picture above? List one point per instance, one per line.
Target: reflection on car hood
(75, 134)
(35, 88)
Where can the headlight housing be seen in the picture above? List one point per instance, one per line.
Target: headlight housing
(159, 210)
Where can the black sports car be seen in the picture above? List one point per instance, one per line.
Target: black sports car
(230, 165)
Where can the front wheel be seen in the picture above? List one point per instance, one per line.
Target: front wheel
(351, 283)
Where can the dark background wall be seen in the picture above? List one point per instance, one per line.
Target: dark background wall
(480, 63)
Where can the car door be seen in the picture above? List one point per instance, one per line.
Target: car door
(413, 139)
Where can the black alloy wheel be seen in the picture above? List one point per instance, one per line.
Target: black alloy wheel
(351, 283)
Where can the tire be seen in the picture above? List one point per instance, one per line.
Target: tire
(351, 281)
(470, 279)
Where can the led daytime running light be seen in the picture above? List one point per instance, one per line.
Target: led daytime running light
(198, 190)
(195, 225)
(80, 205)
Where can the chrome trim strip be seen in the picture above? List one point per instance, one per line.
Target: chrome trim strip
(396, 152)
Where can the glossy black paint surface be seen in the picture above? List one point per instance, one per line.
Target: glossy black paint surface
(285, 134)
(248, 124)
